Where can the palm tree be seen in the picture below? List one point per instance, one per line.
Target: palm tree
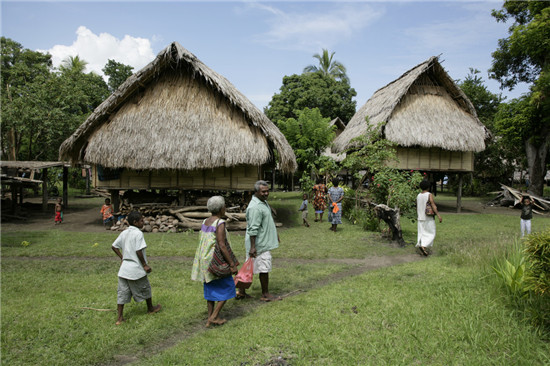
(328, 67)
(74, 64)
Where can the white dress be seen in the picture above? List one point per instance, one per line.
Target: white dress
(426, 224)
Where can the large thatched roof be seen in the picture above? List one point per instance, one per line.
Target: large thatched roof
(177, 113)
(424, 107)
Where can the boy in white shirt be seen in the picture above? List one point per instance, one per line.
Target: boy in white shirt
(132, 275)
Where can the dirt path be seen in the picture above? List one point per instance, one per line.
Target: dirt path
(245, 306)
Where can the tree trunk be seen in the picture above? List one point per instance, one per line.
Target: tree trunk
(392, 218)
(536, 161)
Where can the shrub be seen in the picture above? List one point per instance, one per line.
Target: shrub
(511, 270)
(537, 251)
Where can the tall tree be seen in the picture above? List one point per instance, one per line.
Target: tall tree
(73, 64)
(525, 57)
(494, 165)
(117, 73)
(328, 66)
(312, 90)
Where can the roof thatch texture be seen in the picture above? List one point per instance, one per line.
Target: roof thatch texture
(176, 113)
(425, 108)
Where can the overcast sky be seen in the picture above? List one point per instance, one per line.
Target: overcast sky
(255, 43)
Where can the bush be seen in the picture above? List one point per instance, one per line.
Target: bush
(537, 250)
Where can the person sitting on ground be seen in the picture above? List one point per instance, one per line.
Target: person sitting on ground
(132, 275)
(58, 211)
(213, 232)
(107, 213)
(303, 208)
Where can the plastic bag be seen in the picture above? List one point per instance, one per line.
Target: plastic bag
(243, 279)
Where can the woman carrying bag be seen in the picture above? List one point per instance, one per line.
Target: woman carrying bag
(214, 262)
(426, 210)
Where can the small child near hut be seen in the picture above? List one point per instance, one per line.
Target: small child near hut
(303, 208)
(132, 275)
(107, 213)
(58, 211)
(526, 215)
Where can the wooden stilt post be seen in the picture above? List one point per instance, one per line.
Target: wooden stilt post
(87, 181)
(13, 197)
(459, 194)
(21, 195)
(44, 189)
(65, 186)
(115, 199)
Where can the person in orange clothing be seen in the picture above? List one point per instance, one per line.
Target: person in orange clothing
(107, 212)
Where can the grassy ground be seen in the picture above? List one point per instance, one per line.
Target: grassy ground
(443, 310)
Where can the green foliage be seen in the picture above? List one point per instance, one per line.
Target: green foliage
(327, 66)
(537, 250)
(312, 90)
(386, 184)
(117, 73)
(40, 106)
(512, 271)
(308, 135)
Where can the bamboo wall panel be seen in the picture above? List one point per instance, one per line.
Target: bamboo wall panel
(434, 159)
(224, 178)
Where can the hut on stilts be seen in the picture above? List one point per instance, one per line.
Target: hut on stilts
(432, 121)
(177, 125)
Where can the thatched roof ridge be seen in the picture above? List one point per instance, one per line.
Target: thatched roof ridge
(262, 134)
(423, 107)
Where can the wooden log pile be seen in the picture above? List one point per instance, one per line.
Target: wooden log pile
(164, 218)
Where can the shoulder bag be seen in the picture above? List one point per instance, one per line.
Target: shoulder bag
(218, 266)
(429, 208)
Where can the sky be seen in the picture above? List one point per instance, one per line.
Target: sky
(254, 44)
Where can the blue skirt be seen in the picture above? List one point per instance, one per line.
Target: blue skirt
(220, 290)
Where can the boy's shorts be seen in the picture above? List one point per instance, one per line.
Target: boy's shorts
(304, 214)
(107, 220)
(139, 289)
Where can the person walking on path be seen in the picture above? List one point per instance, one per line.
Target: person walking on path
(215, 288)
(132, 275)
(335, 197)
(261, 238)
(303, 209)
(426, 222)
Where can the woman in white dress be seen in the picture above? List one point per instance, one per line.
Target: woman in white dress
(426, 223)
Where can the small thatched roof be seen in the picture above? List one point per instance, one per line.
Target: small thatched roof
(177, 113)
(424, 107)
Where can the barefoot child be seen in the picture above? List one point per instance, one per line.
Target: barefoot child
(303, 208)
(58, 211)
(107, 212)
(132, 275)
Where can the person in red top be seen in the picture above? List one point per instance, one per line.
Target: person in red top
(107, 212)
(58, 211)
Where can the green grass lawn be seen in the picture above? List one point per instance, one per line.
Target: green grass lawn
(444, 310)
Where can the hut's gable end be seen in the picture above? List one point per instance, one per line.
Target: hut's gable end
(177, 122)
(430, 117)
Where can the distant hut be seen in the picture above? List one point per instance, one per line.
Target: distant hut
(177, 124)
(339, 127)
(428, 116)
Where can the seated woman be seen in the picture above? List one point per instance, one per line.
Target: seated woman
(215, 289)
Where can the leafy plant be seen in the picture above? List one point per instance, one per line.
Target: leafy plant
(537, 251)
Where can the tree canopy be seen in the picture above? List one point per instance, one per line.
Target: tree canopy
(42, 106)
(117, 73)
(524, 57)
(328, 67)
(312, 90)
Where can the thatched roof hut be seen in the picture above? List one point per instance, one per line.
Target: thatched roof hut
(422, 109)
(177, 114)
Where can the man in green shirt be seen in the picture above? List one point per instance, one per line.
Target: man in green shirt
(261, 238)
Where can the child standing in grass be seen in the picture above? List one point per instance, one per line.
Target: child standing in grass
(303, 208)
(107, 213)
(132, 275)
(526, 215)
(58, 211)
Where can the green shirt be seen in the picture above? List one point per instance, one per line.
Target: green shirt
(260, 223)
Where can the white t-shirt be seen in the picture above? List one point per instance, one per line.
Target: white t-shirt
(129, 242)
(421, 201)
